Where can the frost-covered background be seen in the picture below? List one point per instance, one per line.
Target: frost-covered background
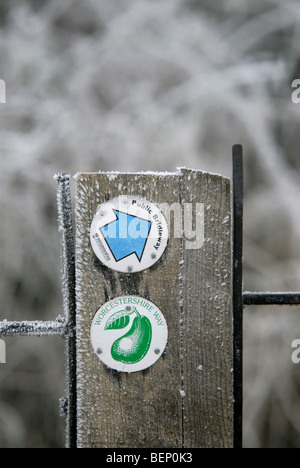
(138, 85)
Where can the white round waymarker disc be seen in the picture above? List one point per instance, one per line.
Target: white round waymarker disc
(129, 334)
(129, 234)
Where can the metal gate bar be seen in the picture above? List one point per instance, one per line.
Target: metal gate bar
(65, 227)
(34, 328)
(279, 298)
(237, 291)
(240, 298)
(62, 326)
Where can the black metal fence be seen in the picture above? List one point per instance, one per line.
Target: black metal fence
(243, 298)
(63, 326)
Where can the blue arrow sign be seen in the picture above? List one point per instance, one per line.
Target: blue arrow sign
(126, 235)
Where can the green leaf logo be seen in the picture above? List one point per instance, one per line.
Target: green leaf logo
(118, 320)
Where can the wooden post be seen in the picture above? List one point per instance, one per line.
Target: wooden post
(186, 398)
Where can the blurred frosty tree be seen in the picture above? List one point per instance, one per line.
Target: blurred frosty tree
(137, 85)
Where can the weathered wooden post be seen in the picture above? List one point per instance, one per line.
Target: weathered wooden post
(185, 399)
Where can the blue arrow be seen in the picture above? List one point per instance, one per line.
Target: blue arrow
(126, 235)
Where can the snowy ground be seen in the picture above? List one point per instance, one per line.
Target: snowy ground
(147, 85)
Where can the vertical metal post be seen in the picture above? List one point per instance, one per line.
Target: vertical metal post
(65, 226)
(238, 292)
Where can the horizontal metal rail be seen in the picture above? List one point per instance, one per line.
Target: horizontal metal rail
(278, 298)
(57, 327)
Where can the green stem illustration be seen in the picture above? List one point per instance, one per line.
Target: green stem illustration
(137, 312)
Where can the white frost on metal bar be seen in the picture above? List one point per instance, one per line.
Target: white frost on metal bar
(33, 328)
(65, 227)
(64, 207)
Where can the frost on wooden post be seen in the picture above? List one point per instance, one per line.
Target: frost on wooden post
(178, 397)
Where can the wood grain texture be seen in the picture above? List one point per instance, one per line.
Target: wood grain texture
(185, 399)
(207, 318)
(141, 409)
